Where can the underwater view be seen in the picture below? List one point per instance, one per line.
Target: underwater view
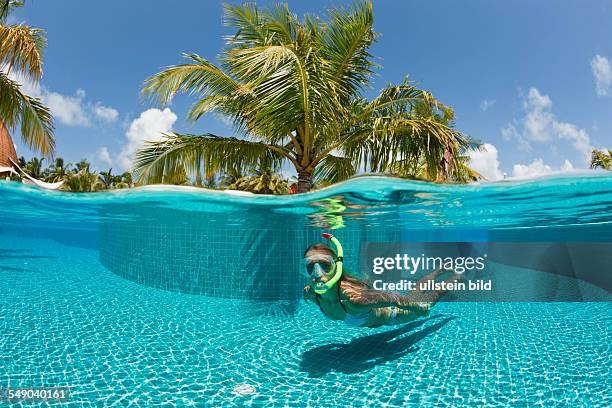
(324, 203)
(190, 297)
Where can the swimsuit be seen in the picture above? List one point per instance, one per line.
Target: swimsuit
(356, 320)
(350, 319)
(393, 314)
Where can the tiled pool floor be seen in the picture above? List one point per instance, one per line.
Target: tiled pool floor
(67, 321)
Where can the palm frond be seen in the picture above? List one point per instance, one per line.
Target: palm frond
(403, 99)
(229, 106)
(36, 125)
(6, 6)
(283, 93)
(250, 30)
(197, 77)
(601, 159)
(408, 142)
(334, 169)
(33, 117)
(347, 39)
(404, 130)
(21, 49)
(281, 24)
(176, 153)
(10, 102)
(463, 173)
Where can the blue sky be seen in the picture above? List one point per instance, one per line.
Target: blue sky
(532, 79)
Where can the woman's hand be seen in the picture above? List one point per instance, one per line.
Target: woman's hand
(308, 293)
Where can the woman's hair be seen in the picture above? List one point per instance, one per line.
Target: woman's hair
(320, 247)
(346, 275)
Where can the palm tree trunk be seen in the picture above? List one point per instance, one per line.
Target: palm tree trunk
(7, 147)
(198, 180)
(304, 183)
(445, 166)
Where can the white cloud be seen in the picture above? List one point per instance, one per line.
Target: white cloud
(103, 156)
(70, 110)
(149, 126)
(27, 86)
(602, 71)
(567, 166)
(486, 104)
(535, 169)
(578, 137)
(105, 112)
(540, 125)
(510, 132)
(539, 118)
(486, 162)
(538, 168)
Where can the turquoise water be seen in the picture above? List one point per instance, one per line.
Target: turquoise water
(178, 296)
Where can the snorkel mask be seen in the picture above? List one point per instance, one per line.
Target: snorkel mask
(318, 266)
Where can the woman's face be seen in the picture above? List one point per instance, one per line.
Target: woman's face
(318, 265)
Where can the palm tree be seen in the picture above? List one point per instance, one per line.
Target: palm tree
(81, 165)
(34, 167)
(57, 170)
(21, 49)
(82, 181)
(107, 178)
(210, 182)
(294, 89)
(126, 178)
(232, 175)
(601, 159)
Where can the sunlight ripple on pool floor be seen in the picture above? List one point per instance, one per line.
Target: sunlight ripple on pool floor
(67, 321)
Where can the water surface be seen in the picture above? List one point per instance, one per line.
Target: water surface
(170, 295)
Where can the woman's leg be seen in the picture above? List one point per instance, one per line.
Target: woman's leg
(432, 297)
(390, 316)
(429, 277)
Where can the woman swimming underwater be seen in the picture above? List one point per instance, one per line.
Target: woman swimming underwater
(343, 297)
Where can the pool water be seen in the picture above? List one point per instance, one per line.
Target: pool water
(74, 313)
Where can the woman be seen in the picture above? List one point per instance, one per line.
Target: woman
(343, 297)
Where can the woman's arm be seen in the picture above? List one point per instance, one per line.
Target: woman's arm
(375, 298)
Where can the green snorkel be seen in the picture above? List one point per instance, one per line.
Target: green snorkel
(322, 287)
